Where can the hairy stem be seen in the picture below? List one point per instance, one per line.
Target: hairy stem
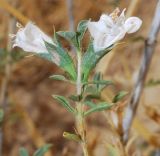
(79, 74)
(80, 121)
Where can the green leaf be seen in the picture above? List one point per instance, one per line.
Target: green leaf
(100, 82)
(75, 97)
(81, 29)
(99, 107)
(46, 56)
(119, 96)
(58, 77)
(72, 136)
(90, 104)
(1, 115)
(41, 151)
(62, 100)
(112, 151)
(90, 59)
(75, 37)
(23, 152)
(63, 59)
(93, 96)
(69, 36)
(152, 83)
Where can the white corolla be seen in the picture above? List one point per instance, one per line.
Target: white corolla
(112, 28)
(31, 39)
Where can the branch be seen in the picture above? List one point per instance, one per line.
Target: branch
(14, 12)
(70, 14)
(145, 63)
(6, 78)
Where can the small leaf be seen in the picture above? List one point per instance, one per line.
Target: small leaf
(41, 151)
(119, 96)
(100, 82)
(63, 59)
(23, 152)
(98, 107)
(152, 83)
(71, 136)
(90, 59)
(112, 151)
(58, 77)
(69, 36)
(93, 96)
(1, 115)
(90, 104)
(75, 37)
(62, 100)
(46, 56)
(81, 29)
(75, 97)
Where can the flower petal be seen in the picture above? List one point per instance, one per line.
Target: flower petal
(132, 24)
(31, 39)
(95, 28)
(107, 19)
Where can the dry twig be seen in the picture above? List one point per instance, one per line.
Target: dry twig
(145, 63)
(70, 14)
(14, 12)
(6, 79)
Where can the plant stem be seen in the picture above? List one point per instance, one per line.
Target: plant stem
(80, 121)
(79, 74)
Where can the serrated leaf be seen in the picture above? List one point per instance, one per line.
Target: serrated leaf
(72, 136)
(62, 100)
(58, 77)
(41, 151)
(65, 61)
(98, 107)
(90, 59)
(81, 29)
(1, 115)
(23, 152)
(119, 96)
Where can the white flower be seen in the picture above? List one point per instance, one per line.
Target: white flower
(31, 39)
(112, 28)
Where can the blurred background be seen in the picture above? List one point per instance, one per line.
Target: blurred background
(33, 118)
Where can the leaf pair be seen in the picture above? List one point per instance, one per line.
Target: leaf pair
(94, 107)
(93, 89)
